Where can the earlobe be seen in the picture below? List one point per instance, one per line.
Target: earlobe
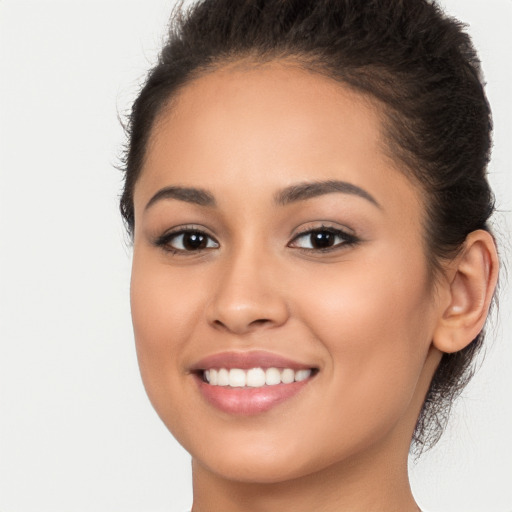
(470, 291)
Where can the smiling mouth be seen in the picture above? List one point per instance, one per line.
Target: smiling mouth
(254, 377)
(252, 382)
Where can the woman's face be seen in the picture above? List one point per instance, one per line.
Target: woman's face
(273, 234)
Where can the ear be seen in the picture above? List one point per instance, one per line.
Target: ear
(470, 287)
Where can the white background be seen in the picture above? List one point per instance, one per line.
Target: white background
(76, 430)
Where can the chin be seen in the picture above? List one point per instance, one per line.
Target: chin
(262, 458)
(261, 469)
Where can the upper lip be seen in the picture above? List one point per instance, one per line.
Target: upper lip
(247, 360)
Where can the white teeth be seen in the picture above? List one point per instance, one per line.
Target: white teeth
(272, 377)
(237, 378)
(287, 376)
(223, 377)
(255, 377)
(302, 375)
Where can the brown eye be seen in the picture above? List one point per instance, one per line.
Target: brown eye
(323, 239)
(187, 241)
(194, 241)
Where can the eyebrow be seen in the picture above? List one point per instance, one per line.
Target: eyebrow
(292, 194)
(188, 194)
(308, 190)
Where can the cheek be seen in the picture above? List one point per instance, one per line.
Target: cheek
(374, 321)
(164, 299)
(162, 307)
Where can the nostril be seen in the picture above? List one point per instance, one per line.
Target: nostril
(253, 324)
(260, 321)
(239, 316)
(221, 325)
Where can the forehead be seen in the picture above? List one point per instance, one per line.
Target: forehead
(246, 101)
(252, 128)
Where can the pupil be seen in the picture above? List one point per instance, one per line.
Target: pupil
(194, 241)
(322, 239)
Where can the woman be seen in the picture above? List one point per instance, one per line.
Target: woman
(313, 265)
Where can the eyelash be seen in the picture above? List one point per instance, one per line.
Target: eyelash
(164, 241)
(348, 239)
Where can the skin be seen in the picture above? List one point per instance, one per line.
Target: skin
(366, 315)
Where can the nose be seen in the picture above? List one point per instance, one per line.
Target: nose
(247, 295)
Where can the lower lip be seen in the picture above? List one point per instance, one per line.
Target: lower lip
(248, 401)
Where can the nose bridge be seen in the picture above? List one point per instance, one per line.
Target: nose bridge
(247, 294)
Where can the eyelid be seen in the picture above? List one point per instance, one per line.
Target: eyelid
(320, 225)
(163, 241)
(349, 239)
